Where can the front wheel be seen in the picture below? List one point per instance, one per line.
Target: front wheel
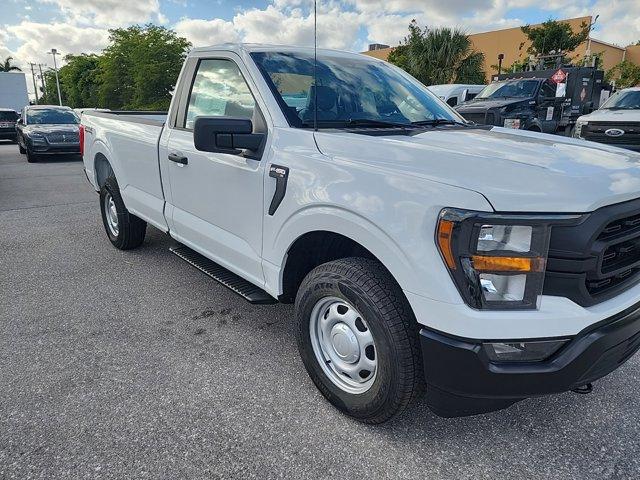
(125, 230)
(358, 339)
(31, 157)
(21, 149)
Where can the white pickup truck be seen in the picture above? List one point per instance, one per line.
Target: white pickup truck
(489, 264)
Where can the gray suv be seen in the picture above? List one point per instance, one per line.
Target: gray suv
(48, 130)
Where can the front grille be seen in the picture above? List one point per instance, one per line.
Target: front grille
(598, 257)
(63, 138)
(595, 132)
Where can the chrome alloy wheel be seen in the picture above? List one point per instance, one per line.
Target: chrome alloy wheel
(111, 214)
(343, 345)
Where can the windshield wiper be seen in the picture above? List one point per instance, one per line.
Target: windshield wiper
(376, 123)
(439, 121)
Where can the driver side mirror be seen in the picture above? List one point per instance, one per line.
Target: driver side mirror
(19, 121)
(226, 135)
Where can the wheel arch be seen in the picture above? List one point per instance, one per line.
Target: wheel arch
(102, 168)
(331, 236)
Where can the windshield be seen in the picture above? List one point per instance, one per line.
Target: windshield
(623, 100)
(510, 89)
(8, 116)
(51, 116)
(351, 90)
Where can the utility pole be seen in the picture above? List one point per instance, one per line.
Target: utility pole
(54, 52)
(33, 76)
(44, 83)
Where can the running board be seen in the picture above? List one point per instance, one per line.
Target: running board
(242, 287)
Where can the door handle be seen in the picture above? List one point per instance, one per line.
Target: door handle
(182, 160)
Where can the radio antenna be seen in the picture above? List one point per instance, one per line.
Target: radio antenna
(315, 65)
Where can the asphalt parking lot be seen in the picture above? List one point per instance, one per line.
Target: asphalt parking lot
(135, 365)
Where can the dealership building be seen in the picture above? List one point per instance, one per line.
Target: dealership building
(513, 44)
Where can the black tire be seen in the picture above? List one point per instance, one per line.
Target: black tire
(21, 149)
(31, 158)
(131, 229)
(373, 292)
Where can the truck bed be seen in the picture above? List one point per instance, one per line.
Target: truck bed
(129, 138)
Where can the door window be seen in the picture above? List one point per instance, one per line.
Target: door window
(219, 89)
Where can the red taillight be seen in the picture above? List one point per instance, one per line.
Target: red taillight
(81, 139)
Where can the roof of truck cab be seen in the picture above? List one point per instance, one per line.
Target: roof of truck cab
(48, 107)
(260, 47)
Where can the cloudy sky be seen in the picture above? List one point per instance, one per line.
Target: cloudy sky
(29, 28)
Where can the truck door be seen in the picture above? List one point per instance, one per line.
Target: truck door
(216, 199)
(549, 107)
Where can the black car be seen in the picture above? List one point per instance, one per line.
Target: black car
(48, 130)
(8, 120)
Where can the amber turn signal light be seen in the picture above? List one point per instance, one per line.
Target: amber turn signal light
(445, 229)
(508, 264)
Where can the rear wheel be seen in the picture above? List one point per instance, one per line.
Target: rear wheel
(125, 230)
(358, 339)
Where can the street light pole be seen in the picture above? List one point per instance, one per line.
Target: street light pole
(54, 52)
(35, 86)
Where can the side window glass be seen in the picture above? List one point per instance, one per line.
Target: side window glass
(548, 90)
(219, 90)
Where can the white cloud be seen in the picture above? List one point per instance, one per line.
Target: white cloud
(109, 12)
(39, 38)
(336, 28)
(207, 32)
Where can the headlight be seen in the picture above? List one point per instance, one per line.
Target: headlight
(496, 261)
(577, 132)
(36, 138)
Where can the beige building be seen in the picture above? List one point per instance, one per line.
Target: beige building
(514, 44)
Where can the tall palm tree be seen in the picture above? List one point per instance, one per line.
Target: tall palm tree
(439, 55)
(7, 67)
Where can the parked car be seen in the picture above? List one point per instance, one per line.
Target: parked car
(493, 264)
(8, 120)
(616, 123)
(547, 101)
(48, 129)
(456, 94)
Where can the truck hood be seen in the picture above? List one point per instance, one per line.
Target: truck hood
(515, 170)
(612, 116)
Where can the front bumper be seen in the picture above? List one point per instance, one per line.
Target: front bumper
(462, 381)
(59, 149)
(8, 134)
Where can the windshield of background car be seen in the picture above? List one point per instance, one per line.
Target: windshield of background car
(42, 116)
(510, 89)
(349, 90)
(629, 100)
(8, 116)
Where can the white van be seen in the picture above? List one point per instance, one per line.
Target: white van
(455, 93)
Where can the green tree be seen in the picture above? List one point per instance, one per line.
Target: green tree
(140, 67)
(625, 74)
(80, 80)
(6, 66)
(50, 94)
(439, 55)
(554, 35)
